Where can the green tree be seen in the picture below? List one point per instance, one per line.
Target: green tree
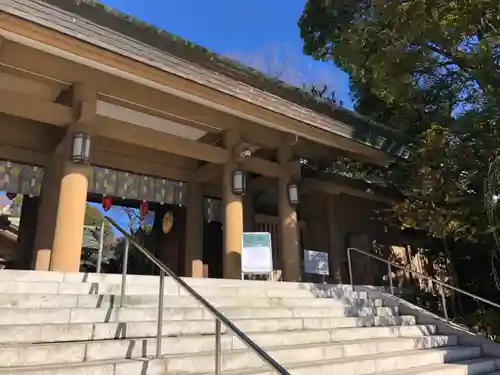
(437, 81)
(430, 69)
(94, 217)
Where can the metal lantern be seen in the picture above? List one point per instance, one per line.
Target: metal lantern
(80, 152)
(293, 194)
(106, 203)
(167, 222)
(239, 182)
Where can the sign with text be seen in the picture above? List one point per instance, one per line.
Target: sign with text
(257, 254)
(316, 262)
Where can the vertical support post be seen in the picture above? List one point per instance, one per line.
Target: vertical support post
(349, 263)
(389, 273)
(194, 236)
(101, 245)
(218, 353)
(72, 203)
(159, 331)
(443, 300)
(124, 273)
(289, 233)
(233, 213)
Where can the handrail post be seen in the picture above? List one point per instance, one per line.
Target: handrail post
(389, 273)
(218, 352)
(349, 263)
(101, 245)
(443, 299)
(124, 273)
(159, 331)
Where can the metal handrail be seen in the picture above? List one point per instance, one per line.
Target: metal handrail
(219, 317)
(406, 269)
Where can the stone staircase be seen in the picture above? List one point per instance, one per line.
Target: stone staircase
(70, 324)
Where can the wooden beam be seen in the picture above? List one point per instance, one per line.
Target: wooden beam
(125, 132)
(23, 155)
(211, 138)
(260, 183)
(32, 108)
(311, 185)
(110, 160)
(41, 63)
(262, 166)
(207, 172)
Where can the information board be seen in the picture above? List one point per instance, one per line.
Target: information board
(257, 254)
(316, 262)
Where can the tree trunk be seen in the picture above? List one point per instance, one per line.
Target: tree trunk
(455, 297)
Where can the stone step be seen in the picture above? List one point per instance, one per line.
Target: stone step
(105, 301)
(39, 333)
(480, 366)
(370, 364)
(307, 346)
(137, 314)
(203, 364)
(171, 288)
(59, 277)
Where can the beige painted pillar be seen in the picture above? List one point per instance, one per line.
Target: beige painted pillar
(47, 214)
(68, 236)
(289, 244)
(233, 215)
(194, 231)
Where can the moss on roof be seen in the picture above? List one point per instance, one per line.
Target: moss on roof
(156, 37)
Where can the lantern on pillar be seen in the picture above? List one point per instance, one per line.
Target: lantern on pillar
(144, 209)
(293, 194)
(106, 203)
(80, 151)
(239, 182)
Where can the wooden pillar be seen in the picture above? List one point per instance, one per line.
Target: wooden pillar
(233, 214)
(336, 248)
(27, 231)
(47, 214)
(194, 231)
(68, 235)
(289, 229)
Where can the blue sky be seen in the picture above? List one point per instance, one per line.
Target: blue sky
(250, 31)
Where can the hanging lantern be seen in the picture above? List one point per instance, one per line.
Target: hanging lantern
(80, 152)
(293, 194)
(144, 208)
(239, 182)
(167, 222)
(106, 203)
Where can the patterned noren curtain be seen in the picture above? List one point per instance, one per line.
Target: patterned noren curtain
(212, 210)
(20, 178)
(128, 185)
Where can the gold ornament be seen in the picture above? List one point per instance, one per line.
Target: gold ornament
(167, 222)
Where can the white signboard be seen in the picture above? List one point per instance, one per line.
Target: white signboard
(257, 254)
(316, 262)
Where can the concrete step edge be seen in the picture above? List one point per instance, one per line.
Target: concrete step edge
(253, 334)
(33, 370)
(43, 333)
(299, 365)
(444, 366)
